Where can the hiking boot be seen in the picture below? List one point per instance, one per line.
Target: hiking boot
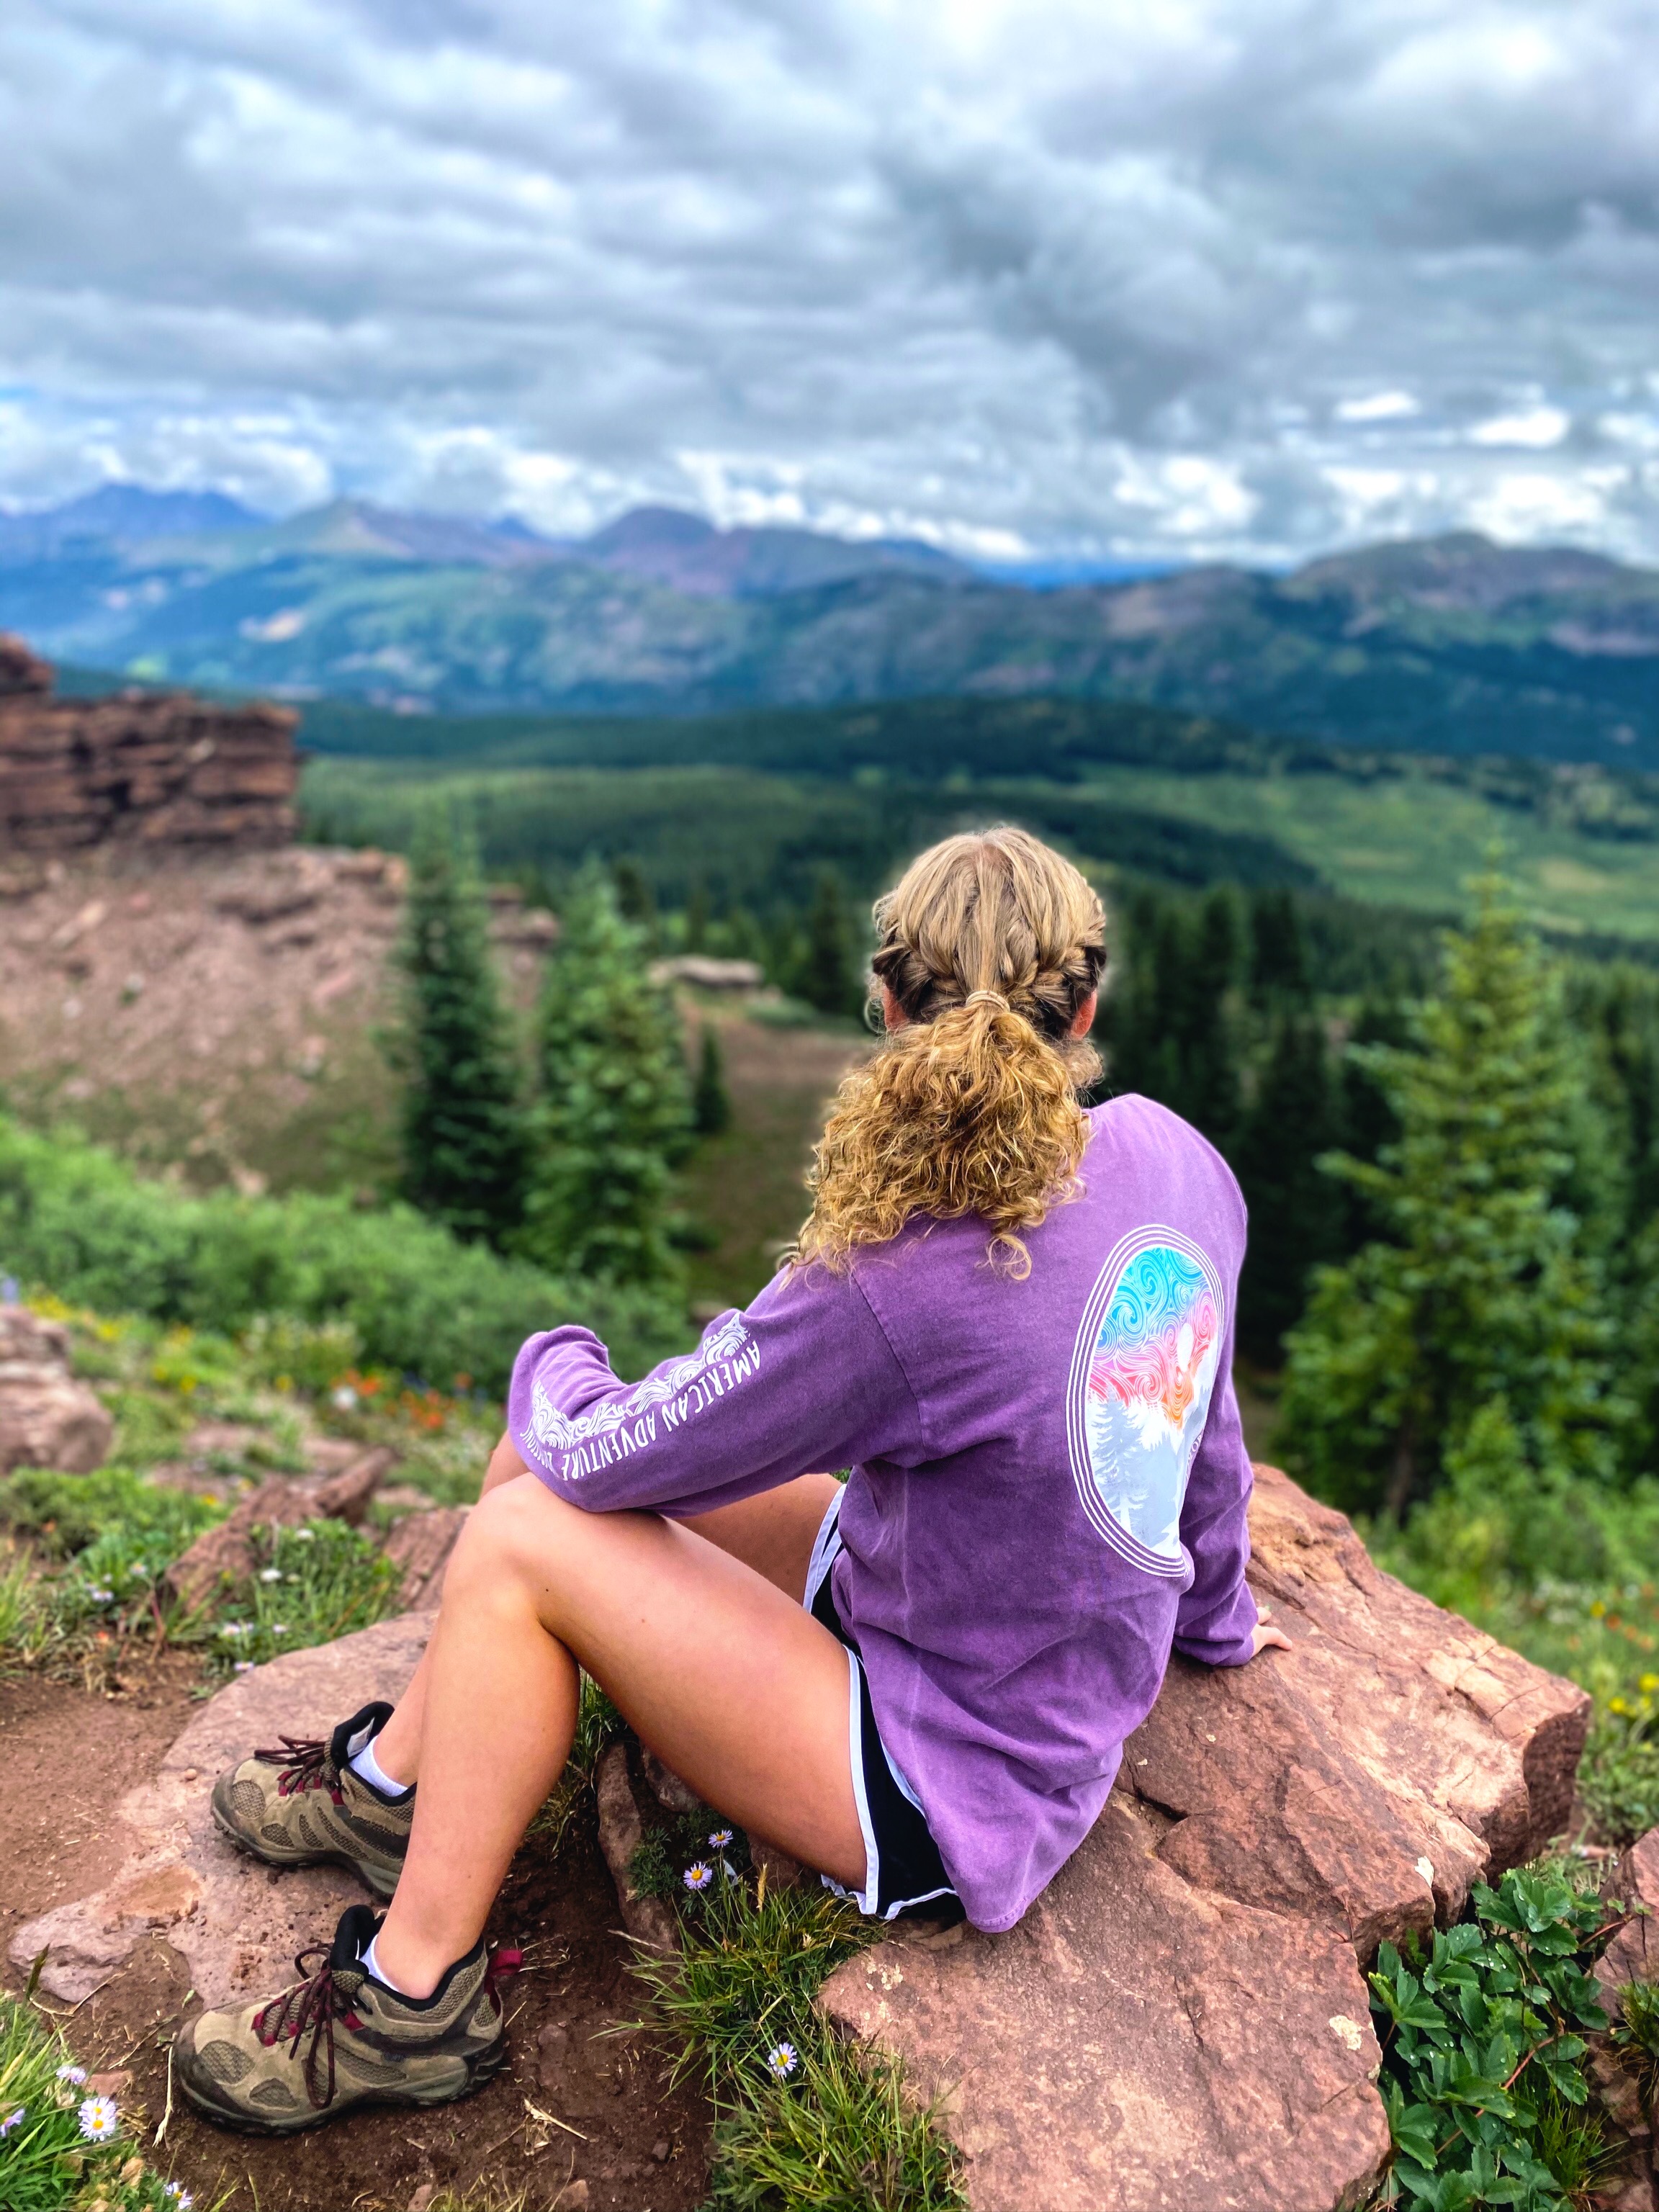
(301, 1804)
(339, 2039)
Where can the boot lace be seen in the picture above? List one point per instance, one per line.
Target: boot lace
(314, 2005)
(305, 1764)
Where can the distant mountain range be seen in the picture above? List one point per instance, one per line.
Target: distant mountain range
(1449, 645)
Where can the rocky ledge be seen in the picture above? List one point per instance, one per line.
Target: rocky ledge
(1181, 2020)
(139, 767)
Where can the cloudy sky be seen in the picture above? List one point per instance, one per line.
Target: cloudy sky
(1132, 277)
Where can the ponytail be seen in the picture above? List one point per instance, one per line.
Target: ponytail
(990, 944)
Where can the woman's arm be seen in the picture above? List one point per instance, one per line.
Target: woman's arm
(804, 1379)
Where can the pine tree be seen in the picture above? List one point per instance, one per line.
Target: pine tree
(1279, 956)
(696, 916)
(1482, 1299)
(614, 1111)
(1294, 1208)
(711, 1103)
(1166, 1024)
(827, 978)
(462, 1128)
(636, 899)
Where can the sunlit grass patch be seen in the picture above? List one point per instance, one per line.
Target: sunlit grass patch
(310, 1585)
(802, 2119)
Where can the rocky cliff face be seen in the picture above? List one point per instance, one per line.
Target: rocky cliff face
(153, 770)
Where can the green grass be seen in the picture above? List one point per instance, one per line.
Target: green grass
(47, 2163)
(1412, 840)
(802, 2119)
(84, 1559)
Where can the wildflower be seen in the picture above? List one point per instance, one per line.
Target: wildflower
(782, 2060)
(1616, 1705)
(697, 1875)
(179, 2194)
(99, 2121)
(101, 1596)
(243, 1667)
(304, 1535)
(279, 1628)
(270, 1574)
(719, 1838)
(9, 1292)
(77, 2075)
(1647, 1685)
(13, 2120)
(345, 1398)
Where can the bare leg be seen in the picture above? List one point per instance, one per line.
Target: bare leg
(718, 1669)
(773, 1533)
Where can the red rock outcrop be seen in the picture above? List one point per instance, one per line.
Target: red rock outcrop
(1180, 2020)
(152, 768)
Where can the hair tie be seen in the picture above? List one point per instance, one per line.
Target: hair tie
(988, 998)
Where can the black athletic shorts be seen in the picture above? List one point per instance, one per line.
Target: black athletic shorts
(903, 1869)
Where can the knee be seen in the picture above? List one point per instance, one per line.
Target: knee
(516, 1532)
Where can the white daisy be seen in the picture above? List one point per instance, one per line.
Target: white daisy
(99, 2121)
(78, 2075)
(719, 1838)
(270, 1574)
(698, 1876)
(782, 2060)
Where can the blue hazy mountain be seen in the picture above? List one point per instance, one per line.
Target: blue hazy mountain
(1446, 645)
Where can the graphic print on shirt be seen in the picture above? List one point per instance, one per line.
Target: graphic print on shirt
(726, 1358)
(1142, 1376)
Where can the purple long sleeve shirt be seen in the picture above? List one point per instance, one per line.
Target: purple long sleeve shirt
(1049, 1481)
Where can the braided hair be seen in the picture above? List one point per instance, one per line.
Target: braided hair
(988, 948)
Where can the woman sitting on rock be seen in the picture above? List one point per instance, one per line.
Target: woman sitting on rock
(1012, 1320)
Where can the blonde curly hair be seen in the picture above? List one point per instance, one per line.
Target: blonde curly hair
(989, 945)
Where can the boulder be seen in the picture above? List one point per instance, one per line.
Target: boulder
(224, 1555)
(237, 1923)
(1188, 1992)
(421, 1545)
(47, 1418)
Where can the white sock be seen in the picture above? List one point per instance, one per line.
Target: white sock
(378, 1971)
(364, 1762)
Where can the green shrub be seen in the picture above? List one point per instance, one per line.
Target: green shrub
(114, 1508)
(76, 1220)
(1483, 2073)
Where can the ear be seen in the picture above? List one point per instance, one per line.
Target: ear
(1084, 1020)
(892, 1013)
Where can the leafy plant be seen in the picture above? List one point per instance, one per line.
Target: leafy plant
(1483, 2058)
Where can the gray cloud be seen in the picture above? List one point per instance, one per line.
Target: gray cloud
(1239, 276)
